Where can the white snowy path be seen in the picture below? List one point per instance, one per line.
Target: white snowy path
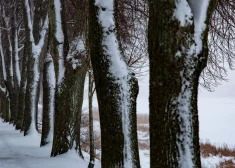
(17, 151)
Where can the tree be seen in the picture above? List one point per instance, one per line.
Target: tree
(90, 107)
(69, 59)
(35, 44)
(48, 100)
(178, 53)
(116, 88)
(221, 46)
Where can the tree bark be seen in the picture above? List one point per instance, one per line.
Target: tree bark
(69, 85)
(33, 68)
(59, 49)
(91, 131)
(48, 101)
(22, 91)
(77, 95)
(112, 96)
(174, 76)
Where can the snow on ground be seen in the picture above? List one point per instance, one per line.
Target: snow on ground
(144, 159)
(18, 151)
(214, 161)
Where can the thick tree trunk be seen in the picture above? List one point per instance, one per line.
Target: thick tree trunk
(7, 110)
(116, 96)
(30, 96)
(4, 108)
(77, 95)
(175, 67)
(59, 49)
(22, 91)
(69, 85)
(48, 101)
(33, 66)
(16, 65)
(9, 81)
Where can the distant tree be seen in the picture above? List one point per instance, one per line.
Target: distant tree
(221, 47)
(11, 45)
(178, 53)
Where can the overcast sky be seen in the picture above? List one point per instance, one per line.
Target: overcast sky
(225, 89)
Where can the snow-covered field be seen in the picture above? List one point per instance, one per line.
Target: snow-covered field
(217, 120)
(17, 151)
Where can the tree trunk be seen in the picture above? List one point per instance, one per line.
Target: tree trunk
(91, 133)
(175, 67)
(48, 101)
(16, 68)
(33, 68)
(69, 85)
(78, 93)
(116, 91)
(7, 110)
(59, 49)
(22, 91)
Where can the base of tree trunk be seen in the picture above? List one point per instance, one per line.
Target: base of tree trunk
(18, 126)
(91, 165)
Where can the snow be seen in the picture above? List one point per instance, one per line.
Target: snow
(59, 34)
(214, 161)
(16, 51)
(3, 59)
(199, 10)
(2, 89)
(20, 151)
(216, 116)
(144, 158)
(29, 20)
(52, 81)
(183, 13)
(77, 47)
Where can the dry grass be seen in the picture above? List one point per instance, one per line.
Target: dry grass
(142, 119)
(143, 127)
(226, 164)
(96, 115)
(143, 145)
(208, 149)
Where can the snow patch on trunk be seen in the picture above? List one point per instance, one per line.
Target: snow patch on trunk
(17, 66)
(183, 13)
(59, 34)
(51, 79)
(77, 47)
(3, 59)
